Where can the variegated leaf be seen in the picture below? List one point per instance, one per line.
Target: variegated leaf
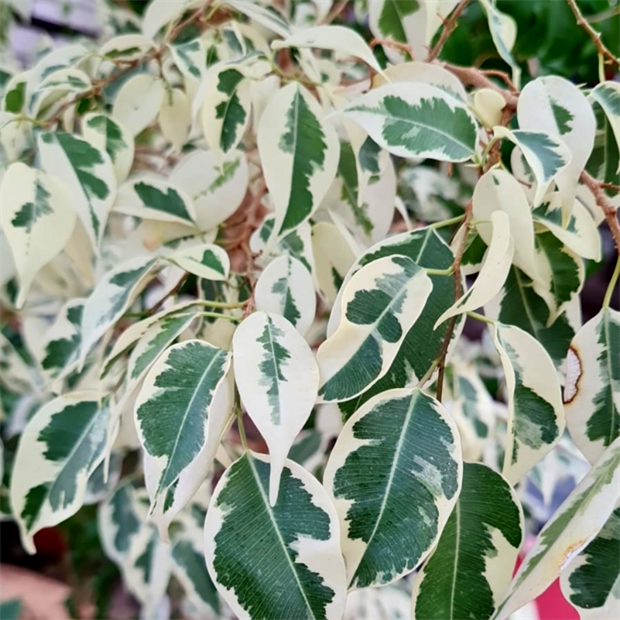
(535, 412)
(88, 174)
(607, 95)
(60, 448)
(494, 270)
(190, 59)
(277, 378)
(469, 571)
(57, 88)
(379, 305)
(126, 47)
(138, 101)
(546, 155)
(591, 582)
(173, 409)
(592, 389)
(416, 120)
(578, 520)
(111, 298)
(270, 19)
(555, 106)
(206, 261)
(215, 187)
(108, 135)
(296, 541)
(496, 190)
(394, 476)
(299, 152)
(37, 220)
(159, 13)
(286, 288)
(175, 117)
(156, 200)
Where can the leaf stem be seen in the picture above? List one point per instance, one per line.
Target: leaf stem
(612, 284)
(241, 428)
(480, 317)
(217, 315)
(439, 272)
(450, 222)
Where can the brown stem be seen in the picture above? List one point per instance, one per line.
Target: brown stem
(611, 214)
(397, 45)
(449, 25)
(338, 8)
(593, 34)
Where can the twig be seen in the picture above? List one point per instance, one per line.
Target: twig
(502, 76)
(449, 25)
(611, 186)
(611, 214)
(338, 8)
(397, 45)
(593, 34)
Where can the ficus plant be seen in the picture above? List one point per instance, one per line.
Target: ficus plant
(240, 241)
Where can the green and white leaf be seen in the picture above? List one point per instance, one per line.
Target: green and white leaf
(111, 298)
(270, 19)
(401, 20)
(173, 409)
(155, 199)
(286, 288)
(476, 552)
(386, 603)
(592, 389)
(555, 106)
(37, 220)
(578, 520)
(190, 57)
(607, 95)
(299, 152)
(57, 88)
(126, 47)
(416, 121)
(138, 102)
(493, 273)
(60, 448)
(379, 305)
(591, 582)
(159, 13)
(215, 187)
(296, 542)
(278, 379)
(175, 118)
(394, 476)
(88, 174)
(206, 261)
(108, 135)
(503, 29)
(535, 412)
(546, 155)
(497, 190)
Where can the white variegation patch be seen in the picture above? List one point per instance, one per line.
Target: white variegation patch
(138, 102)
(175, 117)
(207, 261)
(277, 378)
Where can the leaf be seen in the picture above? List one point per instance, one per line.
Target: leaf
(401, 20)
(37, 220)
(286, 288)
(394, 476)
(299, 152)
(189, 57)
(503, 29)
(108, 135)
(206, 261)
(159, 13)
(57, 88)
(175, 117)
(607, 95)
(60, 448)
(226, 111)
(476, 552)
(296, 541)
(173, 409)
(494, 270)
(126, 47)
(496, 190)
(111, 298)
(138, 102)
(590, 582)
(215, 187)
(379, 305)
(555, 106)
(270, 19)
(416, 121)
(535, 412)
(578, 520)
(592, 389)
(155, 200)
(88, 174)
(277, 378)
(546, 155)
(339, 39)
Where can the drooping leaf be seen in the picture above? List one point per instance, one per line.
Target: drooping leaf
(607, 95)
(379, 305)
(60, 448)
(578, 520)
(469, 571)
(592, 389)
(296, 541)
(277, 378)
(394, 476)
(37, 220)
